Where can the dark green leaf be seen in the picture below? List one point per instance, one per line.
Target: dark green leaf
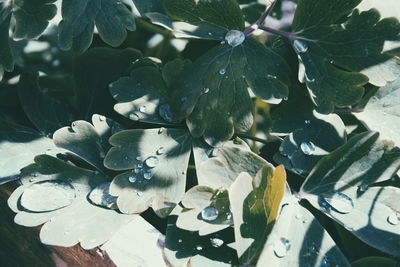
(6, 56)
(382, 112)
(148, 6)
(341, 185)
(32, 17)
(334, 56)
(213, 92)
(374, 261)
(111, 18)
(45, 112)
(255, 204)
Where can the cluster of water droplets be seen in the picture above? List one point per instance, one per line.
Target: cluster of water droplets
(136, 115)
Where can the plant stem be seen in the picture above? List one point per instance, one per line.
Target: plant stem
(262, 18)
(247, 136)
(288, 35)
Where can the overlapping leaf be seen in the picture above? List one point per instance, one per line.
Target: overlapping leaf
(297, 239)
(342, 186)
(382, 113)
(213, 92)
(333, 56)
(6, 56)
(79, 221)
(111, 18)
(255, 205)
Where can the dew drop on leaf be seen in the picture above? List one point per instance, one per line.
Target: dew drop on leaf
(363, 188)
(161, 130)
(300, 46)
(235, 38)
(394, 218)
(205, 90)
(132, 178)
(307, 121)
(151, 161)
(139, 193)
(101, 196)
(340, 202)
(222, 71)
(209, 213)
(281, 247)
(102, 155)
(102, 118)
(134, 116)
(160, 151)
(47, 196)
(143, 109)
(308, 148)
(216, 242)
(199, 248)
(139, 158)
(147, 175)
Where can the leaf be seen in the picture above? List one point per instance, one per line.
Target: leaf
(303, 148)
(94, 71)
(148, 6)
(18, 146)
(141, 96)
(374, 261)
(45, 112)
(342, 186)
(87, 141)
(213, 19)
(80, 222)
(297, 239)
(228, 162)
(255, 204)
(206, 210)
(80, 18)
(213, 92)
(155, 161)
(382, 113)
(333, 56)
(6, 56)
(32, 17)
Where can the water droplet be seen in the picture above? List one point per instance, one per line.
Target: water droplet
(281, 247)
(160, 151)
(307, 121)
(179, 240)
(101, 196)
(102, 118)
(139, 193)
(134, 116)
(363, 188)
(235, 38)
(199, 248)
(102, 154)
(305, 221)
(166, 113)
(138, 158)
(216, 242)
(210, 33)
(394, 218)
(67, 232)
(151, 161)
(308, 148)
(209, 214)
(340, 202)
(222, 71)
(132, 179)
(139, 165)
(161, 130)
(143, 109)
(205, 90)
(285, 98)
(271, 76)
(300, 46)
(147, 175)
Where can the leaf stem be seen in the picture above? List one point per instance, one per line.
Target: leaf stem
(288, 35)
(261, 19)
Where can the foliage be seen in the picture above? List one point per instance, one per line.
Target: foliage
(245, 144)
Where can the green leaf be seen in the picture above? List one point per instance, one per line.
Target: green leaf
(228, 162)
(298, 239)
(212, 18)
(334, 56)
(87, 141)
(45, 112)
(94, 71)
(80, 18)
(148, 6)
(206, 210)
(213, 92)
(6, 56)
(255, 204)
(374, 261)
(342, 186)
(382, 113)
(156, 161)
(32, 17)
(18, 146)
(304, 147)
(80, 222)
